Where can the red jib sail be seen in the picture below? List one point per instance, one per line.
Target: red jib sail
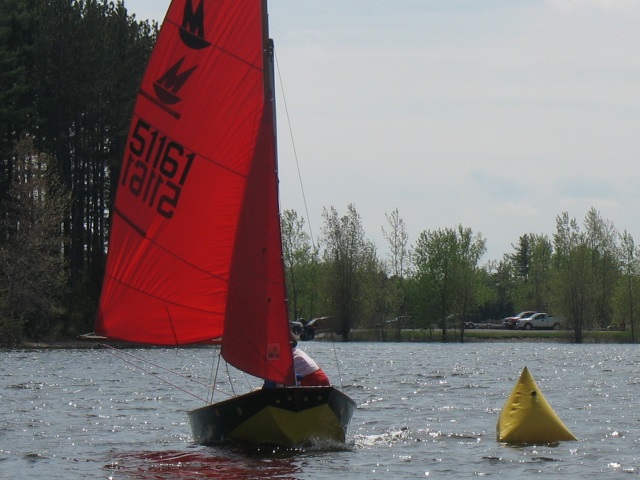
(195, 251)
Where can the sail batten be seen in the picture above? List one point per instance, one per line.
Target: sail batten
(195, 250)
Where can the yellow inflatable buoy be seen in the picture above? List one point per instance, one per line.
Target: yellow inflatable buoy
(528, 418)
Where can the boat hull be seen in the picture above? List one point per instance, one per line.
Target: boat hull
(275, 416)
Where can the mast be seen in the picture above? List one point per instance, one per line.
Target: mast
(256, 326)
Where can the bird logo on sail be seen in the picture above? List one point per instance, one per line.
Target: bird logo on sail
(192, 34)
(168, 86)
(192, 28)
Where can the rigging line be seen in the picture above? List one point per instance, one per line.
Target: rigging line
(212, 388)
(335, 354)
(122, 356)
(247, 381)
(214, 378)
(295, 153)
(226, 364)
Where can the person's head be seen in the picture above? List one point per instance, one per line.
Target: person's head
(292, 340)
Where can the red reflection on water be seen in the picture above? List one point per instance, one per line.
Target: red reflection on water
(207, 463)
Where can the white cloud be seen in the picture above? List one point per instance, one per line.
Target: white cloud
(609, 5)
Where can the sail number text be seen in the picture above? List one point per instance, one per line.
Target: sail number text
(156, 168)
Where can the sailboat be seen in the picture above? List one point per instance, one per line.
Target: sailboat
(195, 249)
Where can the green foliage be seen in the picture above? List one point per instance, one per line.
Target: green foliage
(447, 264)
(602, 242)
(69, 71)
(586, 271)
(15, 89)
(588, 276)
(88, 58)
(531, 266)
(33, 277)
(626, 301)
(352, 268)
(303, 273)
(498, 290)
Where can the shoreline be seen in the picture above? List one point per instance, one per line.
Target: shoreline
(359, 336)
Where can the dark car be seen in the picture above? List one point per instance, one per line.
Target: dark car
(309, 329)
(296, 326)
(306, 329)
(510, 322)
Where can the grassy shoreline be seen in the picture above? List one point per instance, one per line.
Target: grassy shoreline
(389, 335)
(490, 335)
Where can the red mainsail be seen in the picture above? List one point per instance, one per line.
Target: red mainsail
(195, 250)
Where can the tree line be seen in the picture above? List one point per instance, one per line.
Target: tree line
(69, 72)
(587, 273)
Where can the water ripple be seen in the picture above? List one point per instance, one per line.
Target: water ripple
(425, 410)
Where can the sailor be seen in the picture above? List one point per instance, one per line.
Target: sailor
(308, 373)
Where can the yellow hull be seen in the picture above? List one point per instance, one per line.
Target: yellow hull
(527, 417)
(275, 426)
(276, 416)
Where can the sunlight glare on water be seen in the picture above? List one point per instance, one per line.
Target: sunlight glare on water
(424, 411)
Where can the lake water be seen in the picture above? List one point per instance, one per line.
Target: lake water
(424, 411)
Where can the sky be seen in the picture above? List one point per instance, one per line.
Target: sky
(497, 115)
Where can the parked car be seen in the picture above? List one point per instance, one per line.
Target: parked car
(309, 329)
(510, 322)
(296, 326)
(400, 322)
(306, 330)
(478, 324)
(538, 320)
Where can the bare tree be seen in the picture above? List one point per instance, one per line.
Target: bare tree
(351, 262)
(398, 240)
(573, 279)
(301, 265)
(602, 240)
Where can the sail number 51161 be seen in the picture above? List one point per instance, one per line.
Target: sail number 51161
(156, 168)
